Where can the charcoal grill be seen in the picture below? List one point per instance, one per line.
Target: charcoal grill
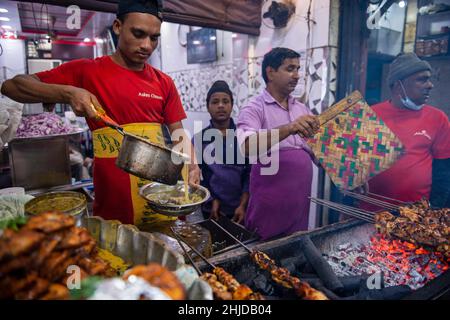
(289, 252)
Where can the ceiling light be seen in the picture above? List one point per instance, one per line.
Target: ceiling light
(3, 10)
(234, 35)
(7, 27)
(196, 42)
(212, 38)
(87, 40)
(402, 4)
(4, 19)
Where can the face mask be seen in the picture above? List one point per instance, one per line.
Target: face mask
(408, 103)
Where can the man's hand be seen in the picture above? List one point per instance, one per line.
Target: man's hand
(305, 126)
(81, 101)
(215, 209)
(239, 214)
(194, 175)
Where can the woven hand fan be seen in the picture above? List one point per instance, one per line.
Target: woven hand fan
(353, 144)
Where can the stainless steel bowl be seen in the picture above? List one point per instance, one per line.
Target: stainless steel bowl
(174, 191)
(149, 161)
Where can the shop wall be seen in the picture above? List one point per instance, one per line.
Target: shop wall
(312, 31)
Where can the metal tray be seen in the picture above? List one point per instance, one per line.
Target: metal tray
(137, 247)
(132, 245)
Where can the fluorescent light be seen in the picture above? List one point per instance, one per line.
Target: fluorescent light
(402, 4)
(87, 40)
(3, 10)
(4, 19)
(196, 42)
(234, 35)
(7, 27)
(98, 40)
(212, 38)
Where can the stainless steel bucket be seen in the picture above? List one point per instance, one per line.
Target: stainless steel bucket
(146, 160)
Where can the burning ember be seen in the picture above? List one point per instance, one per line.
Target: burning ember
(401, 262)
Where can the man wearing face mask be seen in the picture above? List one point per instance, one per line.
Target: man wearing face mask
(424, 131)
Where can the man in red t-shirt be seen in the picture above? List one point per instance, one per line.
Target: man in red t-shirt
(423, 130)
(132, 92)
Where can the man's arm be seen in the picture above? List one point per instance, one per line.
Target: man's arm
(29, 89)
(440, 188)
(305, 126)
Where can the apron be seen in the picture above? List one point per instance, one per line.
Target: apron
(116, 191)
(279, 203)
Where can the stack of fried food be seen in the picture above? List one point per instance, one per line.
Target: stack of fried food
(34, 260)
(160, 277)
(283, 277)
(226, 287)
(418, 224)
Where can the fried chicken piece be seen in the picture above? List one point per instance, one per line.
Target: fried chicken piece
(11, 285)
(56, 292)
(45, 250)
(39, 288)
(220, 291)
(55, 259)
(88, 248)
(49, 222)
(94, 266)
(74, 238)
(160, 277)
(14, 244)
(22, 262)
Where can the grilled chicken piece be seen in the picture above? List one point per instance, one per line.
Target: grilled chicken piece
(220, 291)
(305, 291)
(45, 250)
(255, 296)
(56, 292)
(242, 292)
(160, 277)
(281, 276)
(410, 214)
(49, 222)
(263, 260)
(227, 279)
(51, 263)
(14, 244)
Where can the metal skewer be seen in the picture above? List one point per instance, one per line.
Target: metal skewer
(186, 253)
(233, 237)
(360, 214)
(193, 249)
(387, 198)
(377, 202)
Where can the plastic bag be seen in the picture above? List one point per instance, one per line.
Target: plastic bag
(10, 115)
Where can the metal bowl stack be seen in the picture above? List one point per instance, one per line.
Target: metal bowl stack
(177, 190)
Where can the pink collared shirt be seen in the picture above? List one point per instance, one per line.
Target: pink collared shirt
(264, 112)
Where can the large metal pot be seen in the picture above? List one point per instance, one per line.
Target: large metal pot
(146, 160)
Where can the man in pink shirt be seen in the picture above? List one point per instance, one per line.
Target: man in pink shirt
(279, 203)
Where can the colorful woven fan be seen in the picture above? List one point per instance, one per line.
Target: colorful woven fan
(353, 143)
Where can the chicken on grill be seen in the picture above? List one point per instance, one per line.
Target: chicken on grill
(418, 224)
(283, 277)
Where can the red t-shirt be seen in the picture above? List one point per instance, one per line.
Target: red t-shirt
(127, 97)
(425, 135)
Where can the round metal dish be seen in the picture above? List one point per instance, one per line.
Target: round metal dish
(174, 191)
(46, 202)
